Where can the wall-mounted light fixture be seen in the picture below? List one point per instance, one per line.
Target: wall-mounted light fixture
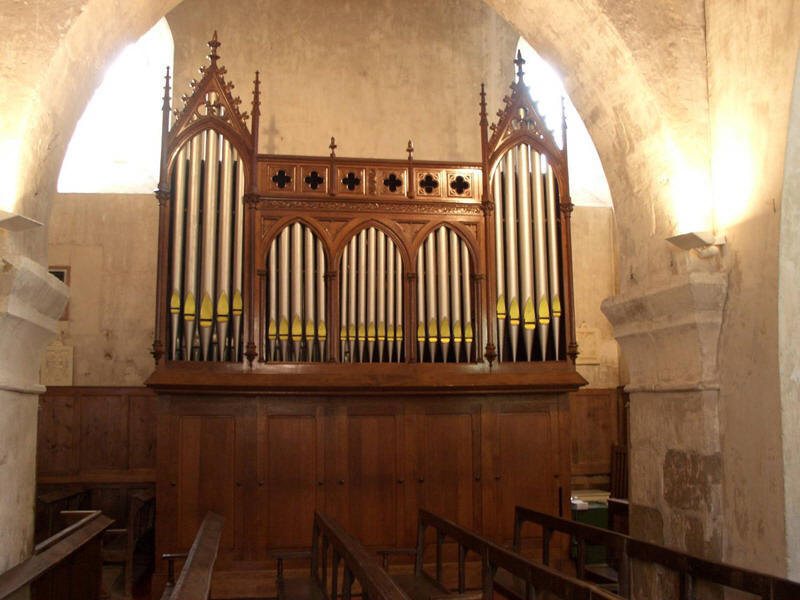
(704, 243)
(14, 222)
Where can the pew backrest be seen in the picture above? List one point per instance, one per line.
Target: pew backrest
(194, 582)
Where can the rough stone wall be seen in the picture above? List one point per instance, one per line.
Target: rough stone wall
(752, 53)
(788, 331)
(109, 242)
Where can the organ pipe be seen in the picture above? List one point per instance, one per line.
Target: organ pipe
(542, 306)
(499, 262)
(552, 238)
(456, 294)
(177, 247)
(361, 329)
(381, 293)
(421, 316)
(390, 337)
(209, 242)
(308, 334)
(525, 241)
(238, 249)
(398, 303)
(511, 250)
(466, 287)
(322, 331)
(223, 274)
(283, 294)
(344, 336)
(430, 288)
(371, 282)
(272, 327)
(443, 292)
(296, 293)
(192, 238)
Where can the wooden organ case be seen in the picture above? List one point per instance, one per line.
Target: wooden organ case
(363, 336)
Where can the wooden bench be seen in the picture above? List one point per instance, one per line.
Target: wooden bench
(332, 547)
(689, 569)
(132, 546)
(66, 565)
(502, 569)
(50, 505)
(194, 582)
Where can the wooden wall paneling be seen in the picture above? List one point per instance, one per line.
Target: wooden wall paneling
(142, 432)
(292, 446)
(528, 465)
(247, 547)
(448, 461)
(371, 486)
(104, 432)
(594, 428)
(58, 449)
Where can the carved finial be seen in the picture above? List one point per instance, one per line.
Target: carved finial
(484, 120)
(332, 146)
(256, 96)
(214, 44)
(166, 91)
(519, 61)
(410, 150)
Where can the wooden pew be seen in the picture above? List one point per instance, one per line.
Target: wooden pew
(688, 568)
(120, 545)
(194, 582)
(502, 569)
(50, 505)
(66, 565)
(345, 551)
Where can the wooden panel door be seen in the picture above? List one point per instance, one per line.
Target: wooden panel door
(449, 477)
(372, 474)
(206, 474)
(291, 446)
(527, 461)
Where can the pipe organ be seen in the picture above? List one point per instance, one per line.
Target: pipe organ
(361, 335)
(435, 262)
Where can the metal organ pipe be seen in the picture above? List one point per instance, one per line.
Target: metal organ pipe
(209, 243)
(499, 254)
(297, 293)
(192, 238)
(381, 293)
(351, 309)
(444, 290)
(552, 240)
(371, 279)
(344, 347)
(466, 282)
(272, 294)
(389, 250)
(511, 250)
(361, 329)
(179, 206)
(308, 334)
(322, 331)
(430, 288)
(421, 316)
(238, 250)
(540, 253)
(456, 295)
(283, 294)
(223, 273)
(525, 243)
(398, 302)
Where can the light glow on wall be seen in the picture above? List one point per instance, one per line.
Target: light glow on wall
(587, 180)
(112, 154)
(9, 165)
(734, 176)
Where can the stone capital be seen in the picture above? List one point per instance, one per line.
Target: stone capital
(670, 335)
(31, 301)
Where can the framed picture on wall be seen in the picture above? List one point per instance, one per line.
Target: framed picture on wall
(61, 272)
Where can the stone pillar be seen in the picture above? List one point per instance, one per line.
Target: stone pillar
(669, 337)
(31, 300)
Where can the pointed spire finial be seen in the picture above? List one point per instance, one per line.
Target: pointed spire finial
(519, 61)
(165, 106)
(410, 150)
(332, 146)
(256, 96)
(484, 120)
(214, 44)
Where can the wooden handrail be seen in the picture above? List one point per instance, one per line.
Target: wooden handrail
(194, 582)
(375, 582)
(54, 550)
(768, 587)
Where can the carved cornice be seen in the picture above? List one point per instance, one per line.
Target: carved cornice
(404, 207)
